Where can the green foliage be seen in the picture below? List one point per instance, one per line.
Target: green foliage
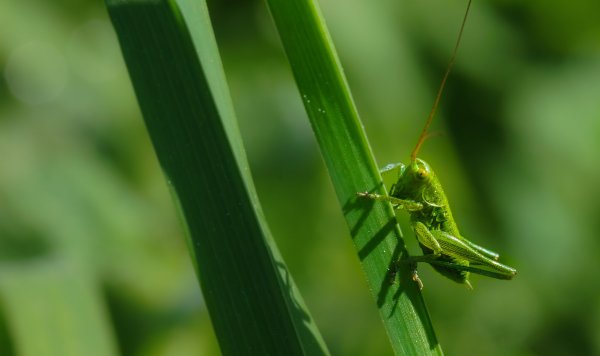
(81, 189)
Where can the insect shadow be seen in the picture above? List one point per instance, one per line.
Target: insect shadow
(399, 279)
(302, 320)
(365, 206)
(395, 269)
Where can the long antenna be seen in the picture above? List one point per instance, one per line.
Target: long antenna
(413, 155)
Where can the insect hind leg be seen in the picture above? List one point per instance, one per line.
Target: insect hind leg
(484, 251)
(433, 260)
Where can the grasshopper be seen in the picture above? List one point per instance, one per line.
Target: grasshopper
(420, 193)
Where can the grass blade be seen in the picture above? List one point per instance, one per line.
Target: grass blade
(352, 168)
(176, 71)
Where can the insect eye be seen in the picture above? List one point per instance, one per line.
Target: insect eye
(421, 173)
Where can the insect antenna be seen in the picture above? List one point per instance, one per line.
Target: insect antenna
(424, 135)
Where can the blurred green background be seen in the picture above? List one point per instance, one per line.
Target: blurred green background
(87, 223)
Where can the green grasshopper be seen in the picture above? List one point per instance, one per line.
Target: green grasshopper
(420, 193)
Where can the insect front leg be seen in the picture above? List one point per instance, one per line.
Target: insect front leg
(409, 205)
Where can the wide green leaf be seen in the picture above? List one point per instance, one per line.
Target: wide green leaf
(174, 64)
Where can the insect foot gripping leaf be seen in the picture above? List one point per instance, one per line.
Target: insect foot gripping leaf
(420, 193)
